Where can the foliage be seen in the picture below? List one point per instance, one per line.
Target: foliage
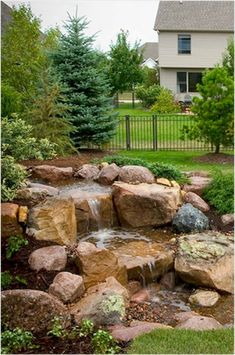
(184, 341)
(57, 329)
(6, 279)
(17, 141)
(14, 244)
(86, 328)
(214, 109)
(10, 100)
(48, 115)
(220, 193)
(12, 177)
(148, 95)
(165, 103)
(21, 280)
(75, 62)
(124, 64)
(150, 76)
(159, 169)
(103, 343)
(16, 340)
(228, 58)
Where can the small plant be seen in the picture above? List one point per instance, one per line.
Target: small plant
(165, 103)
(103, 343)
(86, 328)
(16, 340)
(220, 193)
(57, 329)
(6, 279)
(14, 244)
(148, 95)
(21, 280)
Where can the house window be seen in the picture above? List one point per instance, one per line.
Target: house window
(184, 44)
(181, 82)
(193, 80)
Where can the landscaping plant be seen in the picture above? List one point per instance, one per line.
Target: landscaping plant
(14, 244)
(103, 343)
(165, 103)
(6, 280)
(16, 340)
(57, 329)
(148, 95)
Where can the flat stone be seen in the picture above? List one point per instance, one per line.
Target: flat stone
(204, 298)
(199, 323)
(67, 287)
(53, 191)
(9, 220)
(183, 316)
(136, 174)
(163, 181)
(51, 173)
(197, 184)
(196, 201)
(52, 258)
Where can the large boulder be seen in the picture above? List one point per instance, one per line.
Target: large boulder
(54, 220)
(108, 174)
(31, 196)
(196, 201)
(67, 287)
(31, 310)
(52, 258)
(189, 219)
(206, 259)
(51, 173)
(104, 304)
(98, 264)
(145, 260)
(145, 204)
(9, 220)
(199, 323)
(204, 298)
(87, 172)
(135, 174)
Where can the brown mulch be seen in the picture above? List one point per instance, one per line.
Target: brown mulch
(74, 161)
(220, 158)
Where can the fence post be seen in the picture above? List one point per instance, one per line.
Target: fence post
(154, 132)
(128, 133)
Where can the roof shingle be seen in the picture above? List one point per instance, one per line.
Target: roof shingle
(149, 50)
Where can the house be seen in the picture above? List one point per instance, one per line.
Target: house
(150, 54)
(5, 16)
(192, 37)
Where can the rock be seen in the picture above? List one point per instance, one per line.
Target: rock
(168, 281)
(206, 259)
(104, 304)
(136, 328)
(141, 296)
(67, 287)
(108, 174)
(23, 214)
(197, 184)
(133, 174)
(227, 219)
(51, 173)
(31, 196)
(145, 260)
(189, 219)
(31, 310)
(104, 164)
(183, 316)
(9, 220)
(52, 191)
(98, 264)
(199, 323)
(54, 220)
(52, 258)
(145, 204)
(204, 298)
(175, 184)
(196, 201)
(87, 172)
(133, 287)
(163, 181)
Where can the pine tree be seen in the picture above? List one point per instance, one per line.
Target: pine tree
(87, 90)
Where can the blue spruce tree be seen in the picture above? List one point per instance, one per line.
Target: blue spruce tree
(87, 90)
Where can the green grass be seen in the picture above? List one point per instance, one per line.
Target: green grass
(181, 159)
(126, 109)
(181, 341)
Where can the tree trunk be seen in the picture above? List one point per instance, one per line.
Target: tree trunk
(117, 100)
(133, 98)
(217, 147)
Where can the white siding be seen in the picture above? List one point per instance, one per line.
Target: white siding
(206, 50)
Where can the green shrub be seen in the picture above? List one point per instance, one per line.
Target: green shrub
(220, 193)
(86, 328)
(159, 169)
(148, 95)
(16, 340)
(12, 177)
(165, 103)
(103, 343)
(6, 280)
(14, 244)
(10, 100)
(57, 329)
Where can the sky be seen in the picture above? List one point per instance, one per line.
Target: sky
(106, 17)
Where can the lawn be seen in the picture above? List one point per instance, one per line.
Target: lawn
(181, 341)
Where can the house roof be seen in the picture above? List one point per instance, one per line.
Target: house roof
(149, 50)
(5, 15)
(209, 16)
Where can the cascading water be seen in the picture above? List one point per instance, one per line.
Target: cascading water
(95, 207)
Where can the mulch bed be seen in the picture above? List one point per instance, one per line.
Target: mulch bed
(220, 158)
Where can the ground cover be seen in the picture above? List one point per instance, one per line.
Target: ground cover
(180, 341)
